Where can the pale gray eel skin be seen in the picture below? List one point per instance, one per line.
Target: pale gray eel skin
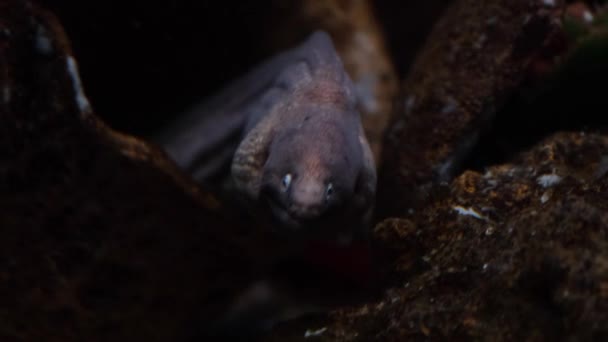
(292, 135)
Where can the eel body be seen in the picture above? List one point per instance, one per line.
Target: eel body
(291, 135)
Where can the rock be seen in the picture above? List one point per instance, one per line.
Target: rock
(560, 93)
(475, 57)
(102, 238)
(516, 253)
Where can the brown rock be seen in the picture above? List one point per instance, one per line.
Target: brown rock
(518, 253)
(472, 61)
(102, 237)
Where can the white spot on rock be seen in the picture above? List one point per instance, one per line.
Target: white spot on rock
(314, 333)
(549, 180)
(545, 197)
(81, 99)
(469, 212)
(588, 16)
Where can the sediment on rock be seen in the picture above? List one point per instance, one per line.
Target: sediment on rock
(515, 253)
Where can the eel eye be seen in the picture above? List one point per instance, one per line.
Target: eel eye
(286, 181)
(329, 191)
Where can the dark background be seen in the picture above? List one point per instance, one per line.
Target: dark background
(143, 61)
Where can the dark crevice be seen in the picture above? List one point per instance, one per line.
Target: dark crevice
(569, 101)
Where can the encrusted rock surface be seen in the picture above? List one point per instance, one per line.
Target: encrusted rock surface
(473, 59)
(517, 253)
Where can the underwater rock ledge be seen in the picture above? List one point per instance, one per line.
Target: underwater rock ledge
(102, 237)
(517, 253)
(474, 58)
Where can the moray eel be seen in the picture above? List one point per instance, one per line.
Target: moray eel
(292, 137)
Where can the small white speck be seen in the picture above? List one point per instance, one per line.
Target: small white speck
(485, 266)
(411, 211)
(492, 21)
(588, 16)
(545, 197)
(314, 333)
(492, 183)
(548, 180)
(81, 99)
(490, 231)
(469, 212)
(549, 2)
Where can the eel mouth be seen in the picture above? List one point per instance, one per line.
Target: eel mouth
(284, 217)
(319, 227)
